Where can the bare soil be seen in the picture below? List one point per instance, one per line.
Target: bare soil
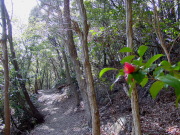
(61, 116)
(158, 117)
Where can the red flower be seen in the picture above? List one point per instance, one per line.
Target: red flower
(129, 68)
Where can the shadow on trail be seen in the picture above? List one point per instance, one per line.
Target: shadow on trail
(60, 115)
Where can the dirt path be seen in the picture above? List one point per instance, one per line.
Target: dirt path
(60, 115)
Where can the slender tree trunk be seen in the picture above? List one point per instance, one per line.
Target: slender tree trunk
(69, 79)
(177, 10)
(21, 81)
(74, 58)
(5, 61)
(67, 69)
(159, 33)
(134, 94)
(50, 78)
(36, 78)
(42, 79)
(88, 73)
(47, 78)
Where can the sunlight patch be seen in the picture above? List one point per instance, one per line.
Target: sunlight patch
(174, 130)
(44, 127)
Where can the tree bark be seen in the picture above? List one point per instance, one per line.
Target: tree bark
(5, 61)
(74, 58)
(69, 79)
(134, 94)
(87, 68)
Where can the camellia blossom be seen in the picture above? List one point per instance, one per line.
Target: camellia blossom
(128, 68)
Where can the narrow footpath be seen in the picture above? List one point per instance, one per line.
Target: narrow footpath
(61, 116)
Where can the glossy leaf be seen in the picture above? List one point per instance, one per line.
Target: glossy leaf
(105, 70)
(155, 88)
(127, 59)
(158, 71)
(138, 76)
(138, 62)
(126, 49)
(171, 81)
(177, 100)
(166, 65)
(142, 49)
(153, 59)
(144, 82)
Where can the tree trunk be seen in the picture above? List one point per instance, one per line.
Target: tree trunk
(22, 82)
(159, 33)
(134, 94)
(47, 78)
(36, 78)
(7, 114)
(88, 73)
(74, 58)
(50, 78)
(54, 69)
(42, 79)
(177, 10)
(69, 79)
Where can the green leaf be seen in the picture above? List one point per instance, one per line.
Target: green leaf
(152, 59)
(129, 78)
(177, 100)
(137, 62)
(171, 81)
(158, 71)
(101, 28)
(176, 74)
(178, 64)
(127, 59)
(138, 76)
(155, 88)
(142, 49)
(91, 31)
(166, 65)
(94, 33)
(105, 70)
(144, 82)
(126, 49)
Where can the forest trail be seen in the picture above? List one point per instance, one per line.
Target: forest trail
(61, 117)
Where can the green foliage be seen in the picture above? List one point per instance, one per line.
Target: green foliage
(126, 49)
(155, 88)
(105, 70)
(127, 59)
(142, 49)
(144, 81)
(171, 81)
(152, 60)
(138, 76)
(164, 73)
